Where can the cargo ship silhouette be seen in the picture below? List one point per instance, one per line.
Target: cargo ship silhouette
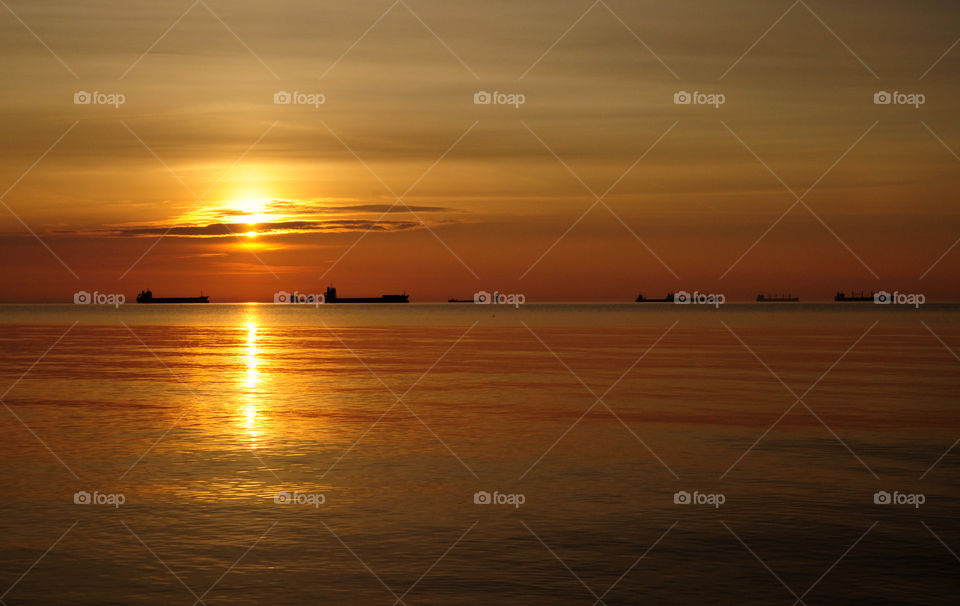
(642, 299)
(330, 296)
(146, 296)
(842, 297)
(776, 298)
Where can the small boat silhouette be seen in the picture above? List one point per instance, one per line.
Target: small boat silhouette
(861, 296)
(642, 299)
(146, 296)
(331, 297)
(761, 298)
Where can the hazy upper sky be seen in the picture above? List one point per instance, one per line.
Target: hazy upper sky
(255, 196)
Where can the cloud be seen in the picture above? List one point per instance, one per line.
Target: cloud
(279, 227)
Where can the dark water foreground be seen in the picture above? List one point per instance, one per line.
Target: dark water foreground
(252, 454)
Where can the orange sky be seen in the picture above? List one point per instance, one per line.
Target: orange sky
(158, 191)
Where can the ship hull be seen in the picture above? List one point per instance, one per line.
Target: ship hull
(383, 299)
(174, 300)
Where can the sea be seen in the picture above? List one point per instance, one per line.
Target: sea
(785, 453)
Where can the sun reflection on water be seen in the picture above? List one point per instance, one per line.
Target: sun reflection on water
(251, 380)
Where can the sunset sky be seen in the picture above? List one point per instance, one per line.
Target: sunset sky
(200, 181)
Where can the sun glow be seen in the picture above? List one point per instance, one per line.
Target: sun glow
(253, 211)
(251, 359)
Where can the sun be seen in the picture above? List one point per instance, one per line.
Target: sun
(254, 211)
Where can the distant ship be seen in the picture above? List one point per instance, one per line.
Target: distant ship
(776, 298)
(146, 296)
(460, 301)
(854, 296)
(331, 297)
(667, 299)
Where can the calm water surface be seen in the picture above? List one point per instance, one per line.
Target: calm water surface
(793, 415)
